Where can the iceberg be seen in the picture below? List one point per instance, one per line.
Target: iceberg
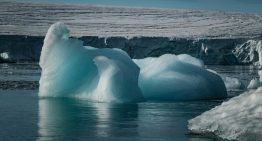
(178, 78)
(237, 119)
(253, 84)
(71, 70)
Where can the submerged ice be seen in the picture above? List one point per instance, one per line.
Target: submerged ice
(71, 70)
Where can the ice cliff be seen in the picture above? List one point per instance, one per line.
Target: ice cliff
(141, 32)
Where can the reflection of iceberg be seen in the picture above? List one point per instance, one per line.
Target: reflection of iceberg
(72, 119)
(71, 70)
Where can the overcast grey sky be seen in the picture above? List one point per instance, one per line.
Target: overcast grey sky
(224, 5)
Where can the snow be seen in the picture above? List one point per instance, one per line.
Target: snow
(86, 20)
(182, 77)
(71, 70)
(237, 119)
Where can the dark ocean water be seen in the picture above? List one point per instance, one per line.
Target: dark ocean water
(25, 117)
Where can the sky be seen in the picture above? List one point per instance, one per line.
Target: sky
(221, 5)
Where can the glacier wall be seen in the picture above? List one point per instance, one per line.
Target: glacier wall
(212, 51)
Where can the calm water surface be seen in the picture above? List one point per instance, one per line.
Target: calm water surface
(25, 117)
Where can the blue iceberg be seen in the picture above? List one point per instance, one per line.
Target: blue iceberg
(70, 69)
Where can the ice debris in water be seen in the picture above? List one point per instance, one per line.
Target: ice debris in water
(105, 75)
(4, 55)
(232, 83)
(254, 84)
(237, 119)
(71, 70)
(181, 77)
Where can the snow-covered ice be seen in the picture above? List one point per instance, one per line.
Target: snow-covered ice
(236, 119)
(182, 77)
(71, 70)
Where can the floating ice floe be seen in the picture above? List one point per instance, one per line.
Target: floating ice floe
(71, 70)
(237, 119)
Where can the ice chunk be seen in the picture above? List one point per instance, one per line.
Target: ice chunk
(232, 83)
(4, 55)
(254, 83)
(249, 52)
(237, 119)
(170, 77)
(260, 76)
(71, 70)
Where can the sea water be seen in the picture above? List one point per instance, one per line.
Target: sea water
(23, 116)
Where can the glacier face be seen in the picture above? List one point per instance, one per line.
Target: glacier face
(141, 32)
(85, 20)
(71, 70)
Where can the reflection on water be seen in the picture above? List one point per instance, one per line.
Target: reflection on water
(72, 119)
(22, 114)
(68, 119)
